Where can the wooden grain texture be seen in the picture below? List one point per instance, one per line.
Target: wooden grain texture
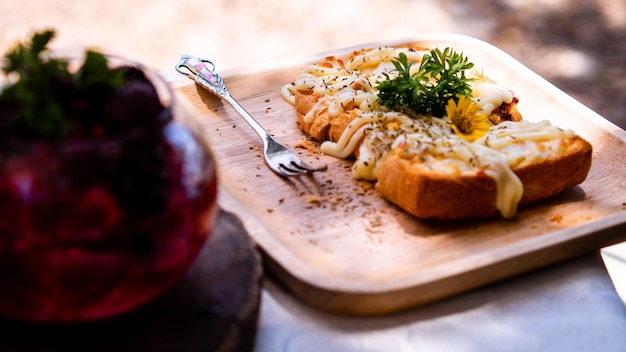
(340, 247)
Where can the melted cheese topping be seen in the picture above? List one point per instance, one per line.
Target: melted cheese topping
(489, 96)
(428, 142)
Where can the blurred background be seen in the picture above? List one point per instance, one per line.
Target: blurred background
(578, 45)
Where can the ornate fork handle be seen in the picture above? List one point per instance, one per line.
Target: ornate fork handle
(203, 73)
(279, 158)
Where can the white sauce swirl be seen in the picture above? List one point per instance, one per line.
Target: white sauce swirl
(429, 142)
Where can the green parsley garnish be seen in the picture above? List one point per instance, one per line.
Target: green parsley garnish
(42, 95)
(440, 77)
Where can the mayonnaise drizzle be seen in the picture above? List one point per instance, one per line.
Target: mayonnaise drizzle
(489, 96)
(427, 142)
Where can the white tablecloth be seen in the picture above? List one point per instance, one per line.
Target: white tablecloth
(567, 307)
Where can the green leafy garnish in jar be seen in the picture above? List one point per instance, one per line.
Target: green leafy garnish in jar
(43, 98)
(439, 78)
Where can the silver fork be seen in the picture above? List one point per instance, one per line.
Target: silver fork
(280, 159)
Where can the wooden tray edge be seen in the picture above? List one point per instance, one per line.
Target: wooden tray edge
(351, 301)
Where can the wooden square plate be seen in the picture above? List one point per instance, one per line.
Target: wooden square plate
(342, 248)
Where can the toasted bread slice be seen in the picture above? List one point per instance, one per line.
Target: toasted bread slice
(419, 163)
(325, 128)
(427, 193)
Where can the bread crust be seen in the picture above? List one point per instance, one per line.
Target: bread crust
(429, 194)
(432, 194)
(323, 127)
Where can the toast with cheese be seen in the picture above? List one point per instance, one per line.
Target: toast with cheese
(422, 163)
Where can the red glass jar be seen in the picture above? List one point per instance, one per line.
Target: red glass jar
(92, 228)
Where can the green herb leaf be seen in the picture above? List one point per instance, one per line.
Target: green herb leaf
(440, 77)
(95, 72)
(42, 97)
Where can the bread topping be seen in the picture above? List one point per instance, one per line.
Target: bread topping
(428, 142)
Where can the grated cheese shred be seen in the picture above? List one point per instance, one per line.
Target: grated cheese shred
(427, 142)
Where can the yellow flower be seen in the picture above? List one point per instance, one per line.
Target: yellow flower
(467, 122)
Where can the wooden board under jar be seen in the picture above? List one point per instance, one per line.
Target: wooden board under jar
(340, 247)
